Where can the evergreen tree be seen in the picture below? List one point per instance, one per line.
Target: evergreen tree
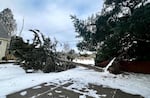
(41, 54)
(86, 30)
(121, 30)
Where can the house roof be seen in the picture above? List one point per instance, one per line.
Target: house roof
(3, 32)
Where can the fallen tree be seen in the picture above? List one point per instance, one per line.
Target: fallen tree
(41, 54)
(37, 55)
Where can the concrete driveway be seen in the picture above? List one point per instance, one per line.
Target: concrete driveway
(53, 90)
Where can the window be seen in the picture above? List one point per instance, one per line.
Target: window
(0, 42)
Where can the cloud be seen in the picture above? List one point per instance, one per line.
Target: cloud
(51, 17)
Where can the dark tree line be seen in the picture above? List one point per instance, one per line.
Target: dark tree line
(121, 30)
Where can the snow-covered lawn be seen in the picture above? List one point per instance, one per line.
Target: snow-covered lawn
(13, 79)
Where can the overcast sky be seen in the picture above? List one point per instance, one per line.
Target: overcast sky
(52, 17)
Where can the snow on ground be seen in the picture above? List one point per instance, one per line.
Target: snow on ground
(23, 93)
(85, 61)
(13, 79)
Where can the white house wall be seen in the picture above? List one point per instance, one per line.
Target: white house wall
(3, 46)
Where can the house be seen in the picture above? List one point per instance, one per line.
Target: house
(4, 40)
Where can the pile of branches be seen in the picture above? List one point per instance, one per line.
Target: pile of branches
(40, 54)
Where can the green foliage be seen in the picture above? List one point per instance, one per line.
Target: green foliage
(71, 55)
(39, 55)
(122, 31)
(84, 31)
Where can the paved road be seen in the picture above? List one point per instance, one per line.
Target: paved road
(53, 90)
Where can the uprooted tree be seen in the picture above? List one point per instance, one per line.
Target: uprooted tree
(41, 54)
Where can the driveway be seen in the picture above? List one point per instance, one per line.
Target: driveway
(61, 90)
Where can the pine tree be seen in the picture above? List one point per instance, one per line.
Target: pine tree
(40, 54)
(122, 31)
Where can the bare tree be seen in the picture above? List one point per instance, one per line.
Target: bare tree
(7, 18)
(66, 47)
